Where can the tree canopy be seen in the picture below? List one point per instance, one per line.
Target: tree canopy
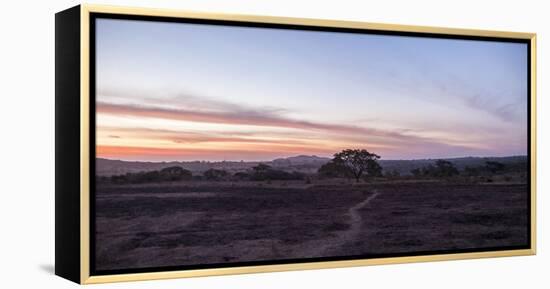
(358, 162)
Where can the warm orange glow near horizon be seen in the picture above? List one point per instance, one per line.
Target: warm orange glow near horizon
(130, 132)
(186, 154)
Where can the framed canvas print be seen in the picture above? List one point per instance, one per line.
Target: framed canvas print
(194, 144)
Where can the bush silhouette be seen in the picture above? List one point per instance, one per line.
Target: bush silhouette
(215, 175)
(167, 174)
(263, 172)
(175, 174)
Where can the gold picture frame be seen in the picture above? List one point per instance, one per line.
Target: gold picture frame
(68, 242)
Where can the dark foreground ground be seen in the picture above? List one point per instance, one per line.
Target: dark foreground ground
(178, 224)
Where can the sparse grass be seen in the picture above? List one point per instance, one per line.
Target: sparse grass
(211, 222)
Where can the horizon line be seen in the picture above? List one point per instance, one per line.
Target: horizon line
(260, 161)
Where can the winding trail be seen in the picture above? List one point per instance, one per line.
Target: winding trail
(322, 247)
(356, 219)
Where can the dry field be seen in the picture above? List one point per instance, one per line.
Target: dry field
(178, 224)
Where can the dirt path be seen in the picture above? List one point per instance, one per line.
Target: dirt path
(323, 247)
(355, 218)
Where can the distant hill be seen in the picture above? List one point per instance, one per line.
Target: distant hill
(301, 163)
(300, 160)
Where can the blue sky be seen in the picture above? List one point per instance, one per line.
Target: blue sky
(192, 91)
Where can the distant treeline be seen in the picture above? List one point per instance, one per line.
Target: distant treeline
(357, 164)
(446, 169)
(169, 174)
(261, 172)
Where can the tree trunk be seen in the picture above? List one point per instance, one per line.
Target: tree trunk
(357, 175)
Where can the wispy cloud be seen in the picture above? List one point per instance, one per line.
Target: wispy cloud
(188, 137)
(508, 112)
(446, 86)
(240, 117)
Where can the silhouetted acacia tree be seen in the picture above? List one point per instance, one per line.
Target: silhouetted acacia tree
(359, 162)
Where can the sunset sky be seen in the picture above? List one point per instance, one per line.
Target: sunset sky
(173, 91)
